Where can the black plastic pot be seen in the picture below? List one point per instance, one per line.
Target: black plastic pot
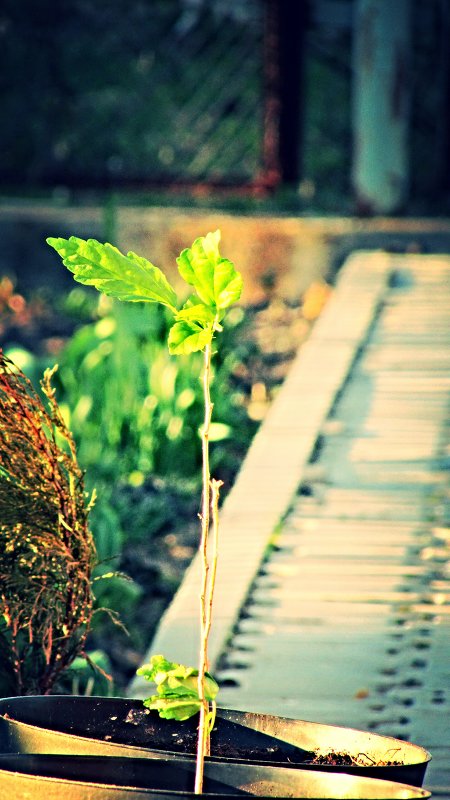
(62, 777)
(120, 727)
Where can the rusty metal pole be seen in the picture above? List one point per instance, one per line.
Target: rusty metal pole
(381, 100)
(286, 25)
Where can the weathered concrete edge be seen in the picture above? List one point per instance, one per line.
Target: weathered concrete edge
(273, 467)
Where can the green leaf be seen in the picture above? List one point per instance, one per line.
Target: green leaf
(199, 313)
(129, 277)
(193, 330)
(187, 337)
(211, 687)
(173, 709)
(177, 688)
(157, 669)
(227, 284)
(215, 279)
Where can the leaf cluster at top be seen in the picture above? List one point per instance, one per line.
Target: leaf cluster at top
(216, 283)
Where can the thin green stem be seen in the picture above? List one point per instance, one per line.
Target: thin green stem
(205, 516)
(215, 492)
(203, 731)
(210, 512)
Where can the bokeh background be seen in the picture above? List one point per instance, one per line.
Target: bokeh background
(257, 94)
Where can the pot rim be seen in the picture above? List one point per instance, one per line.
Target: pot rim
(386, 789)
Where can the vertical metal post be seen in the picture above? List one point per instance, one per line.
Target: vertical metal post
(439, 183)
(285, 29)
(381, 100)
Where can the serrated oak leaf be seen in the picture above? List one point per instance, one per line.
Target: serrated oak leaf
(127, 277)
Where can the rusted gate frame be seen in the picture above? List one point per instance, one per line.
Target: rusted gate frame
(284, 26)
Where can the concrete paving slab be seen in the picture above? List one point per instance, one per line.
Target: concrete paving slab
(384, 357)
(294, 525)
(309, 671)
(348, 508)
(358, 568)
(353, 531)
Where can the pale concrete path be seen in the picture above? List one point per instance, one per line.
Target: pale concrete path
(333, 596)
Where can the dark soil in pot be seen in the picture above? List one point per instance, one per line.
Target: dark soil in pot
(62, 777)
(83, 725)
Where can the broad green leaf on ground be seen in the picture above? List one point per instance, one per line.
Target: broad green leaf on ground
(173, 708)
(129, 277)
(177, 688)
(215, 279)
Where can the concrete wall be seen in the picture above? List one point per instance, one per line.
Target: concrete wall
(275, 254)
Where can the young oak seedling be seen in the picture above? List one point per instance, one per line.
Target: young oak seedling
(181, 691)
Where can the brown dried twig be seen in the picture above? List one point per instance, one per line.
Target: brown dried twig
(46, 549)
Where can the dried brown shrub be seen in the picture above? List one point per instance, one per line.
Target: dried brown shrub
(46, 549)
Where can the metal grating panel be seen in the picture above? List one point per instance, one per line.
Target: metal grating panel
(168, 90)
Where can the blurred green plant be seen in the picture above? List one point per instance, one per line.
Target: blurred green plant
(88, 677)
(134, 412)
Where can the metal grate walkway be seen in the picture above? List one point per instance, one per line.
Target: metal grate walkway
(343, 616)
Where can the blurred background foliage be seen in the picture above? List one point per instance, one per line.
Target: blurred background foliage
(108, 87)
(135, 411)
(140, 96)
